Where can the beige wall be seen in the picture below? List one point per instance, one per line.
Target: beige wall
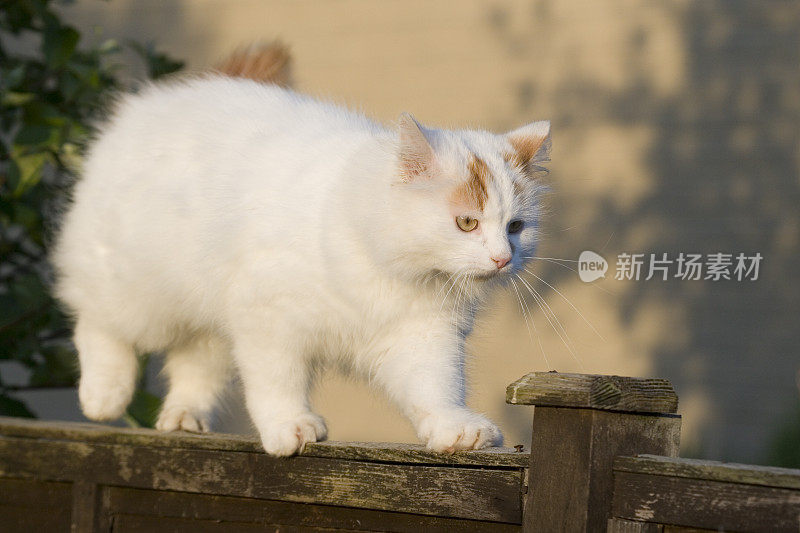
(675, 129)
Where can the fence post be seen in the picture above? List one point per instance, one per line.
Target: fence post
(580, 423)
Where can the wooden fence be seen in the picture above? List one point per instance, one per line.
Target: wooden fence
(585, 471)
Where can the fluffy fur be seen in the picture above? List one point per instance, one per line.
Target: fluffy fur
(268, 63)
(243, 227)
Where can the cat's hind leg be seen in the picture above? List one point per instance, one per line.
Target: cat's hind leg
(198, 372)
(108, 371)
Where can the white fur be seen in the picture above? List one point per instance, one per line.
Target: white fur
(235, 224)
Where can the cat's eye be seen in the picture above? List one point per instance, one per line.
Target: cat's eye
(466, 223)
(515, 226)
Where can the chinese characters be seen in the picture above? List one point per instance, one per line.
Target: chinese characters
(687, 266)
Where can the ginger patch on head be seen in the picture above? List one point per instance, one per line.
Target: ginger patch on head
(475, 191)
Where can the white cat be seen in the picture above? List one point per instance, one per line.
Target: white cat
(243, 227)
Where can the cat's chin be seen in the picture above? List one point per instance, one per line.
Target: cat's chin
(476, 276)
(485, 276)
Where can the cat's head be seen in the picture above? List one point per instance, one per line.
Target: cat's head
(472, 197)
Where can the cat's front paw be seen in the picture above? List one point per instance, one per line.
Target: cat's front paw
(176, 418)
(288, 437)
(458, 430)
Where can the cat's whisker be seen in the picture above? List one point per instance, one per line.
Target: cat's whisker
(472, 301)
(548, 313)
(555, 262)
(445, 284)
(552, 313)
(607, 241)
(526, 312)
(454, 304)
(454, 278)
(454, 308)
(463, 294)
(569, 302)
(550, 259)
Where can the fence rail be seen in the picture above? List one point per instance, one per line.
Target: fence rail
(583, 472)
(652, 492)
(111, 472)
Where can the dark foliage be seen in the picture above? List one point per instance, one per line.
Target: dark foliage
(51, 87)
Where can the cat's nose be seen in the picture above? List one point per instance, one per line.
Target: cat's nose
(501, 261)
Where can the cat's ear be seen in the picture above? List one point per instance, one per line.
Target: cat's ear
(531, 146)
(415, 151)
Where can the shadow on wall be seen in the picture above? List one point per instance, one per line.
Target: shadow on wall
(723, 177)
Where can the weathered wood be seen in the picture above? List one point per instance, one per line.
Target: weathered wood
(86, 507)
(619, 525)
(30, 519)
(767, 476)
(32, 505)
(366, 451)
(612, 393)
(124, 523)
(703, 503)
(416, 454)
(571, 462)
(227, 510)
(580, 423)
(18, 492)
(462, 492)
(679, 529)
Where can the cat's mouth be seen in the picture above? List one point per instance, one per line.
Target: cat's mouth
(488, 275)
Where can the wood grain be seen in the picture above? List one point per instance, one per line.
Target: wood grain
(767, 476)
(620, 525)
(33, 505)
(462, 492)
(612, 393)
(703, 503)
(283, 515)
(366, 451)
(573, 450)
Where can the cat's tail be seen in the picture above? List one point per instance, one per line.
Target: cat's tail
(267, 63)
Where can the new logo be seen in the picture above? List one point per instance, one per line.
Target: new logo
(591, 266)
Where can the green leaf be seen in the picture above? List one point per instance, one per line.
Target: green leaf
(14, 99)
(29, 171)
(25, 216)
(59, 44)
(42, 113)
(71, 155)
(40, 135)
(17, 16)
(10, 310)
(11, 407)
(14, 76)
(47, 101)
(158, 64)
(60, 368)
(143, 410)
(25, 297)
